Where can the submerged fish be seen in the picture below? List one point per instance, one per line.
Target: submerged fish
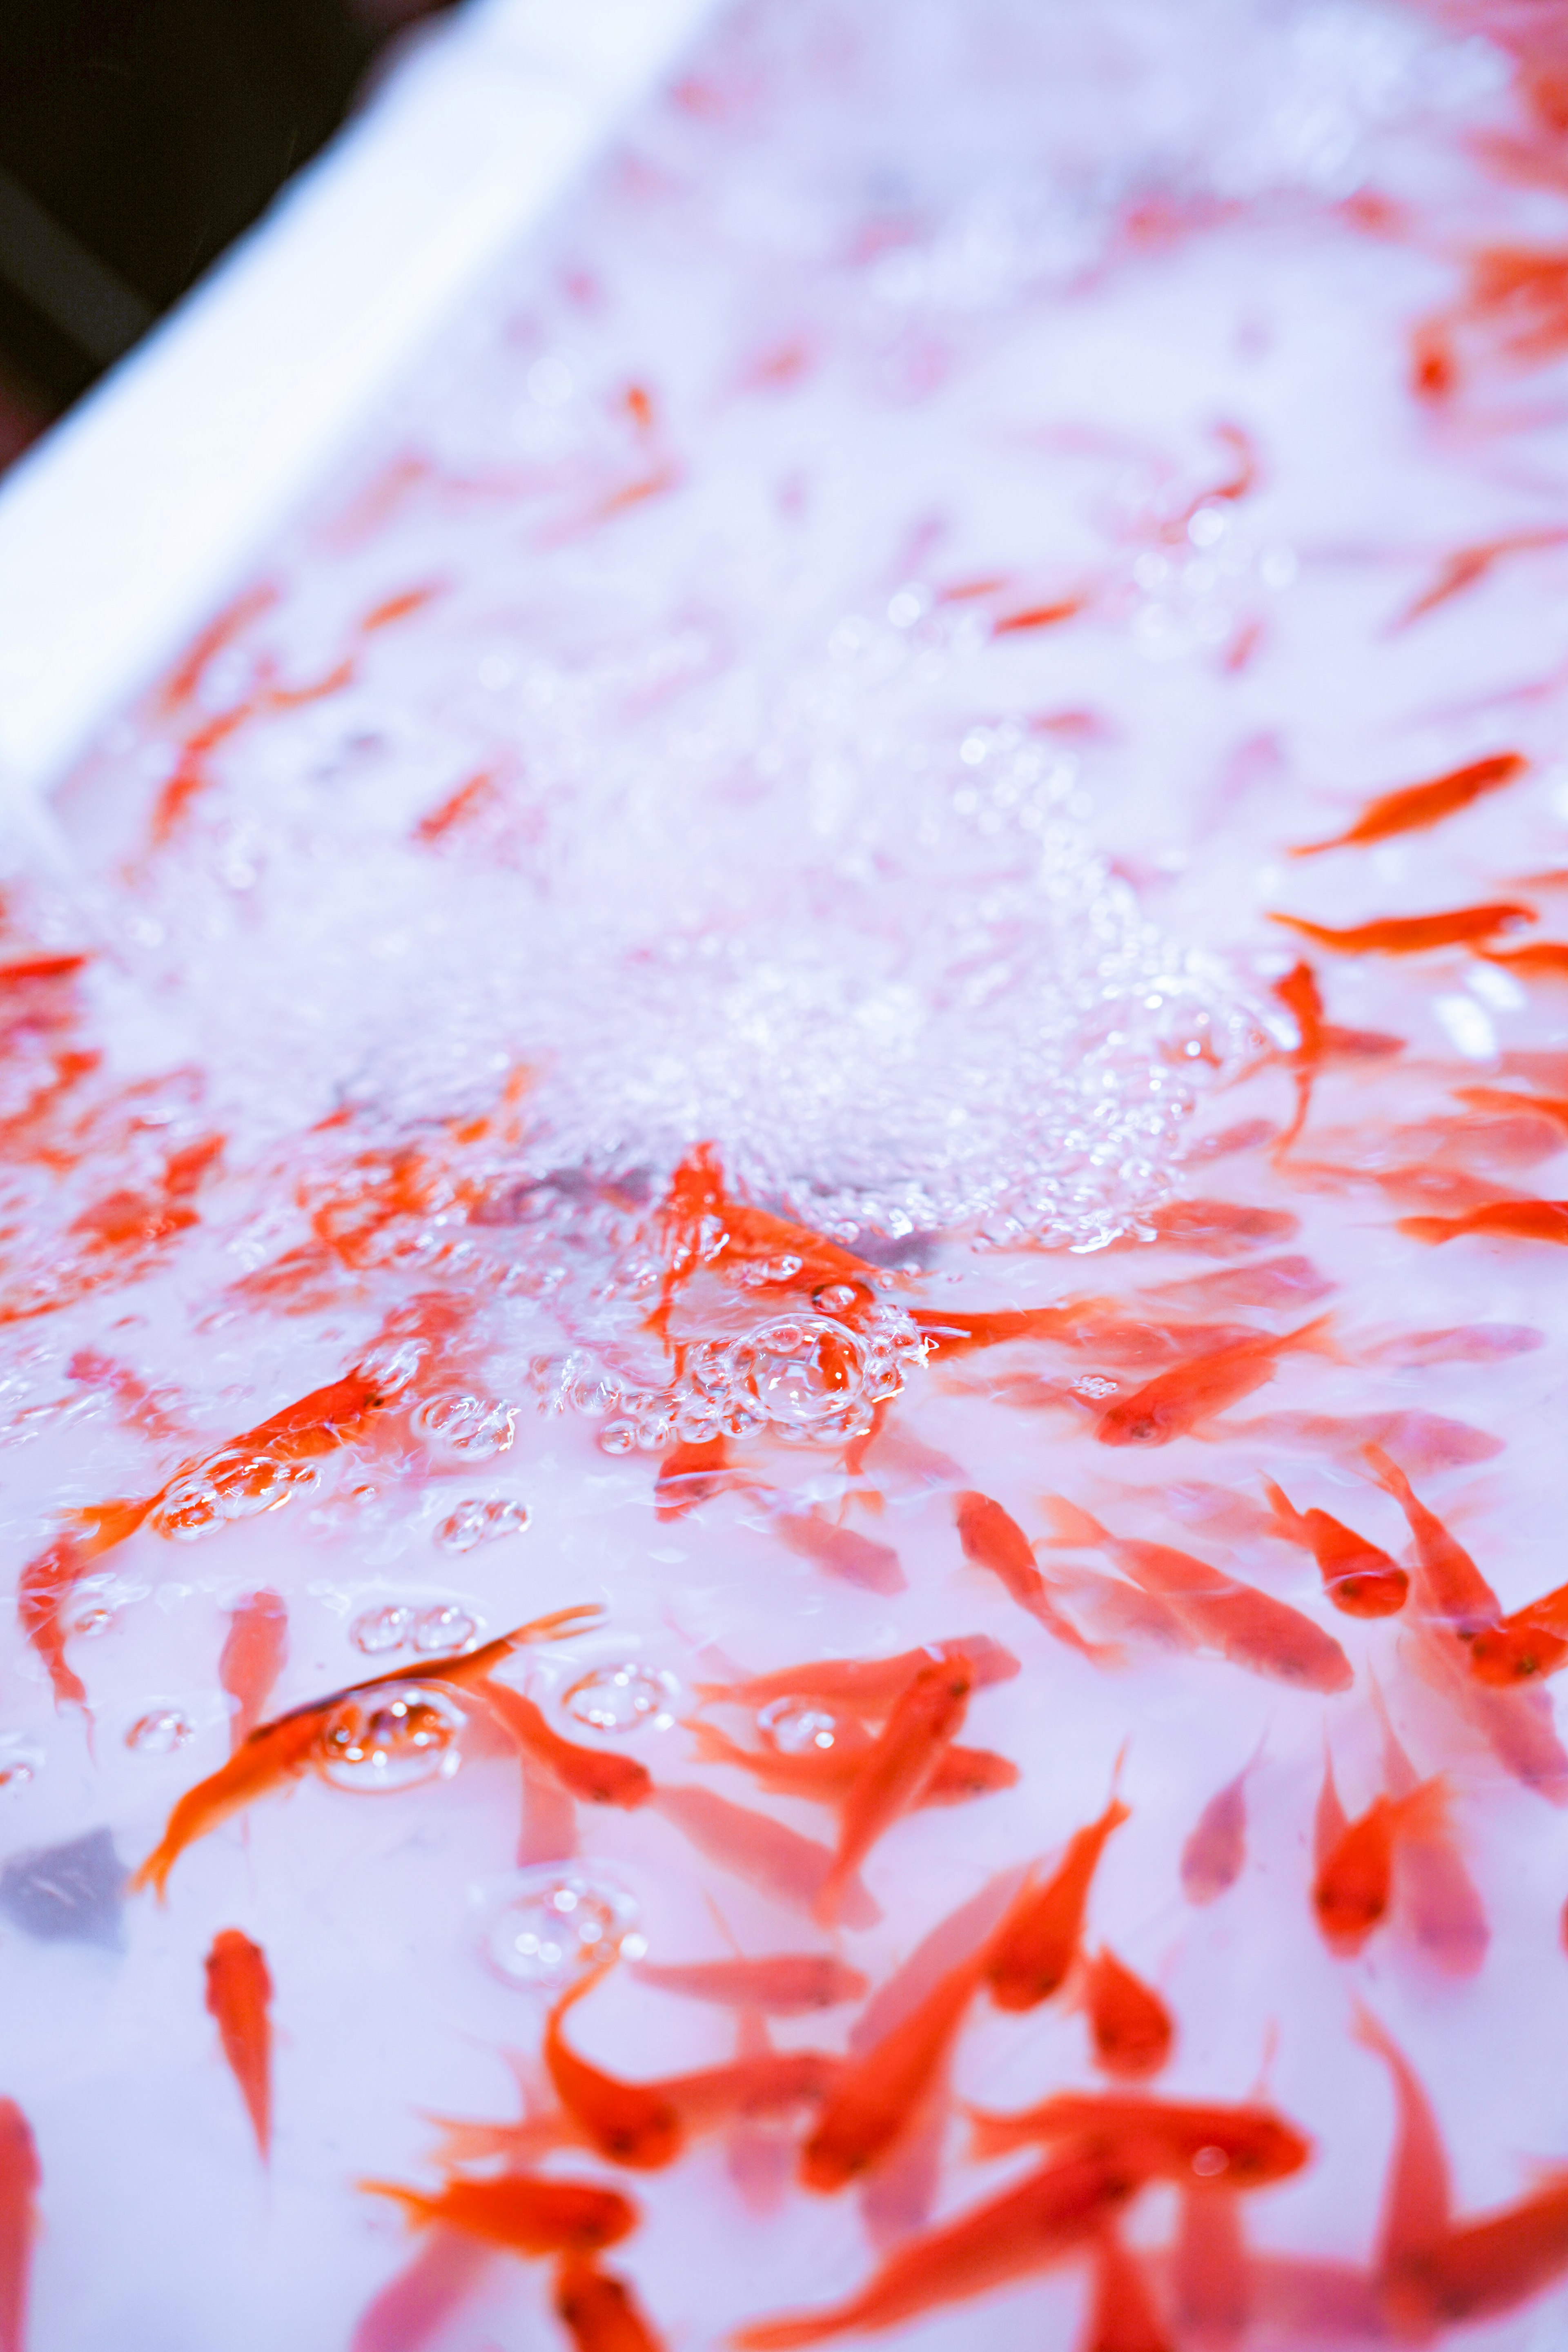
(1415, 806)
(239, 1998)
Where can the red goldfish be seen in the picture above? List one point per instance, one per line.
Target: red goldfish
(825, 1776)
(1358, 1577)
(1413, 934)
(1541, 960)
(1519, 1221)
(1173, 1403)
(701, 1225)
(523, 2214)
(781, 1984)
(599, 2311)
(690, 1474)
(19, 2179)
(1171, 2140)
(1436, 1898)
(1350, 1891)
(1449, 1584)
(882, 2088)
(631, 2123)
(1215, 1851)
(844, 1553)
(1248, 1627)
(594, 1776)
(893, 1775)
(1028, 1958)
(765, 1852)
(1219, 1228)
(994, 1539)
(255, 1653)
(282, 1750)
(1130, 2026)
(1045, 2218)
(867, 1686)
(1532, 1642)
(239, 1996)
(1415, 806)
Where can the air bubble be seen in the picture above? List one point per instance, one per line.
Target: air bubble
(161, 1733)
(20, 1764)
(233, 1485)
(628, 1698)
(444, 1628)
(377, 1631)
(393, 1738)
(1208, 2163)
(476, 1521)
(618, 1437)
(469, 1426)
(553, 1924)
(795, 1729)
(803, 1372)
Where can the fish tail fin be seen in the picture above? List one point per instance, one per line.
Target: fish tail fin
(1313, 849)
(418, 2208)
(1387, 1474)
(1290, 1520)
(1314, 1338)
(154, 1873)
(1431, 1230)
(989, 2135)
(1075, 1529)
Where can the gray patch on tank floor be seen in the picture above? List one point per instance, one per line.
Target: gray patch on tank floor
(70, 1893)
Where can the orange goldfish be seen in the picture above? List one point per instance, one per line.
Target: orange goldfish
(1272, 1282)
(19, 2179)
(1028, 1958)
(765, 1852)
(1413, 934)
(285, 1749)
(1248, 1627)
(48, 1581)
(1350, 1891)
(1435, 1898)
(1170, 2139)
(1299, 994)
(701, 1225)
(1541, 960)
(1358, 1577)
(763, 2081)
(948, 1332)
(781, 1984)
(599, 2311)
(1214, 1854)
(255, 1651)
(1219, 1228)
(1519, 1221)
(825, 1776)
(842, 1552)
(1449, 1584)
(883, 2087)
(592, 1775)
(631, 2123)
(994, 1540)
(1045, 2218)
(1130, 2026)
(1520, 1648)
(867, 1686)
(239, 1996)
(525, 2215)
(1415, 806)
(690, 1474)
(1172, 1404)
(894, 1775)
(1547, 1107)
(1211, 2275)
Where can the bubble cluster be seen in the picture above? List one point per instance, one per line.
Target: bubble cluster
(229, 1484)
(390, 1740)
(794, 1729)
(161, 1733)
(620, 1699)
(476, 1521)
(552, 1923)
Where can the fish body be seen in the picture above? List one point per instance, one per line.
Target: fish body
(525, 2215)
(777, 1860)
(825, 1776)
(1359, 1578)
(1173, 1402)
(1035, 1945)
(1519, 1221)
(631, 2123)
(1043, 2220)
(1122, 2315)
(20, 2178)
(993, 1539)
(1416, 806)
(1415, 934)
(895, 1772)
(1525, 1646)
(240, 1999)
(590, 1775)
(1130, 2027)
(690, 1474)
(700, 1225)
(599, 2311)
(1352, 1889)
(867, 1686)
(1449, 1584)
(255, 1651)
(881, 2089)
(1214, 1854)
(843, 1552)
(779, 1984)
(1248, 2146)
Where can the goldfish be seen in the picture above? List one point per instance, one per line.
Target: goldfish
(1520, 1648)
(599, 2311)
(1172, 1404)
(1211, 2275)
(752, 1846)
(1035, 1945)
(1358, 1577)
(842, 1552)
(950, 1332)
(690, 1474)
(867, 1686)
(1436, 1898)
(239, 1996)
(255, 1651)
(1038, 616)
(1130, 2026)
(594, 1776)
(1250, 1628)
(283, 1750)
(825, 1776)
(1548, 1106)
(1538, 959)
(524, 2214)
(548, 1830)
(1122, 2316)
(1517, 1724)
(1519, 1221)
(1170, 2139)
(48, 1579)
(1415, 806)
(782, 1984)
(1214, 1854)
(700, 1225)
(759, 2081)
(1044, 2218)
(20, 2178)
(1449, 1584)
(1352, 1888)
(1219, 1228)
(1271, 1282)
(1299, 994)
(892, 1777)
(1413, 934)
(631, 2123)
(994, 1540)
(1461, 1343)
(882, 2087)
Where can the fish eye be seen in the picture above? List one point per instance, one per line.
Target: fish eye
(1208, 2163)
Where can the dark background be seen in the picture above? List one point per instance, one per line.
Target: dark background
(137, 138)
